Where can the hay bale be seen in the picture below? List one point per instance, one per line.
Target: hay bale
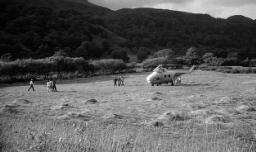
(91, 101)
(196, 96)
(158, 93)
(74, 115)
(156, 123)
(174, 116)
(21, 101)
(61, 107)
(224, 100)
(10, 108)
(245, 108)
(113, 116)
(220, 111)
(198, 106)
(200, 112)
(167, 117)
(217, 119)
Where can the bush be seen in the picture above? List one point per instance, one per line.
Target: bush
(167, 53)
(231, 62)
(120, 53)
(214, 61)
(109, 65)
(43, 67)
(154, 62)
(131, 65)
(192, 56)
(142, 54)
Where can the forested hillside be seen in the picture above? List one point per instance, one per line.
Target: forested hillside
(155, 28)
(39, 28)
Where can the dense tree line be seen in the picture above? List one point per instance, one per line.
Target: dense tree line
(60, 66)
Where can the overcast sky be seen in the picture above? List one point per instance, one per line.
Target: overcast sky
(216, 8)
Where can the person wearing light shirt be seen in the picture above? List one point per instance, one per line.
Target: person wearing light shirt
(31, 85)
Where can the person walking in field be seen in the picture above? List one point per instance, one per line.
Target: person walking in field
(54, 88)
(31, 85)
(120, 81)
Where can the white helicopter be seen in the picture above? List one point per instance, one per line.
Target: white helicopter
(161, 75)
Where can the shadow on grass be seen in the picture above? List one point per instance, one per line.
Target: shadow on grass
(185, 85)
(66, 91)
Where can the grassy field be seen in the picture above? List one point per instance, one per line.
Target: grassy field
(208, 112)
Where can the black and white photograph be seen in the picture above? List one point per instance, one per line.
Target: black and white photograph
(127, 76)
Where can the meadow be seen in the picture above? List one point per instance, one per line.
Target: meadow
(209, 112)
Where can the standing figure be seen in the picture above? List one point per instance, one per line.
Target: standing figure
(51, 85)
(178, 81)
(119, 80)
(54, 88)
(48, 85)
(122, 80)
(31, 85)
(115, 81)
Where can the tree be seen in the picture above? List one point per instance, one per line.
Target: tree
(60, 53)
(211, 60)
(142, 53)
(167, 53)
(6, 57)
(192, 56)
(96, 49)
(83, 50)
(207, 56)
(120, 53)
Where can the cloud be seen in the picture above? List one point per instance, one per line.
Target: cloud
(231, 3)
(216, 8)
(117, 4)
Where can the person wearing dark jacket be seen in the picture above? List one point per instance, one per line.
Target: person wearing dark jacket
(54, 88)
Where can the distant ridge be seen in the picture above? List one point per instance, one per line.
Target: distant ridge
(240, 18)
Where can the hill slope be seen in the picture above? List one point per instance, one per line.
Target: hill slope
(38, 28)
(165, 28)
